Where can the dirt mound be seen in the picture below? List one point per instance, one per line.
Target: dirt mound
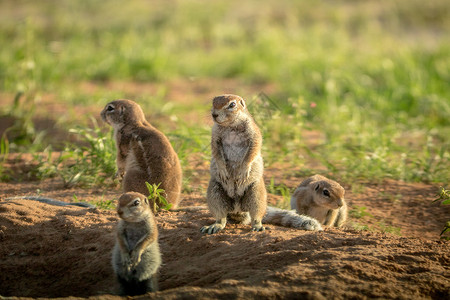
(54, 251)
(50, 251)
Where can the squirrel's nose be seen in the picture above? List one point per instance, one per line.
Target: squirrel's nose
(214, 115)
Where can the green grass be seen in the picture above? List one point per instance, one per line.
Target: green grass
(282, 190)
(359, 212)
(90, 163)
(100, 203)
(4, 151)
(389, 229)
(359, 227)
(370, 76)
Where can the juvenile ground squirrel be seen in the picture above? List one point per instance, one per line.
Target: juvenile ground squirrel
(322, 199)
(144, 154)
(136, 257)
(236, 189)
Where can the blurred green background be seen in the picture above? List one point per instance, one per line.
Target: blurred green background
(358, 90)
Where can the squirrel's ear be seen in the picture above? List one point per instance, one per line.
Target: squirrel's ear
(242, 102)
(146, 200)
(317, 187)
(121, 111)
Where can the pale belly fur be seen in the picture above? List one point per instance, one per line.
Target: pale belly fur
(235, 147)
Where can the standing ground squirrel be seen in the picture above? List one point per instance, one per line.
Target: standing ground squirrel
(236, 185)
(136, 257)
(144, 154)
(322, 199)
(236, 189)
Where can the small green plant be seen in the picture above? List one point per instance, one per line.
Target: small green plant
(390, 229)
(359, 212)
(4, 151)
(281, 190)
(360, 227)
(444, 199)
(88, 165)
(89, 162)
(443, 196)
(156, 197)
(45, 167)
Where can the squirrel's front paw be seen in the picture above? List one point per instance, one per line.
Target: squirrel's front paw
(245, 172)
(119, 175)
(223, 174)
(135, 259)
(126, 262)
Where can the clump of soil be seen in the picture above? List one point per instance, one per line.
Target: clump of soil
(52, 251)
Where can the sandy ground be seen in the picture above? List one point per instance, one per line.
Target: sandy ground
(51, 251)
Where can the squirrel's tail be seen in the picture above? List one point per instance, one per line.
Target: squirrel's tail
(289, 218)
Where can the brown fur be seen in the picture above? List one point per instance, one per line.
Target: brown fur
(144, 154)
(236, 187)
(136, 256)
(322, 199)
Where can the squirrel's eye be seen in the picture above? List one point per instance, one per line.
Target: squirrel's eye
(326, 193)
(232, 104)
(110, 108)
(136, 202)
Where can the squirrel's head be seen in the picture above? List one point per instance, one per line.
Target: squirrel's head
(328, 193)
(134, 207)
(120, 112)
(228, 110)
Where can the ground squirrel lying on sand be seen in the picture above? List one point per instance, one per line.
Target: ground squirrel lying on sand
(136, 257)
(322, 199)
(236, 189)
(144, 154)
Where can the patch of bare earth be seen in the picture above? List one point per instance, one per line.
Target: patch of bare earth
(51, 251)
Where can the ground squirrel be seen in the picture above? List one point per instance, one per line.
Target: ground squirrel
(236, 185)
(136, 257)
(236, 189)
(322, 199)
(144, 154)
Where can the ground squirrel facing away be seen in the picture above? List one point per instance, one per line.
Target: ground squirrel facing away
(136, 257)
(322, 199)
(236, 189)
(144, 154)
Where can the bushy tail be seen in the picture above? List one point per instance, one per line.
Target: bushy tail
(289, 218)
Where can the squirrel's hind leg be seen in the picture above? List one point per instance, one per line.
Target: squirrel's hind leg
(219, 204)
